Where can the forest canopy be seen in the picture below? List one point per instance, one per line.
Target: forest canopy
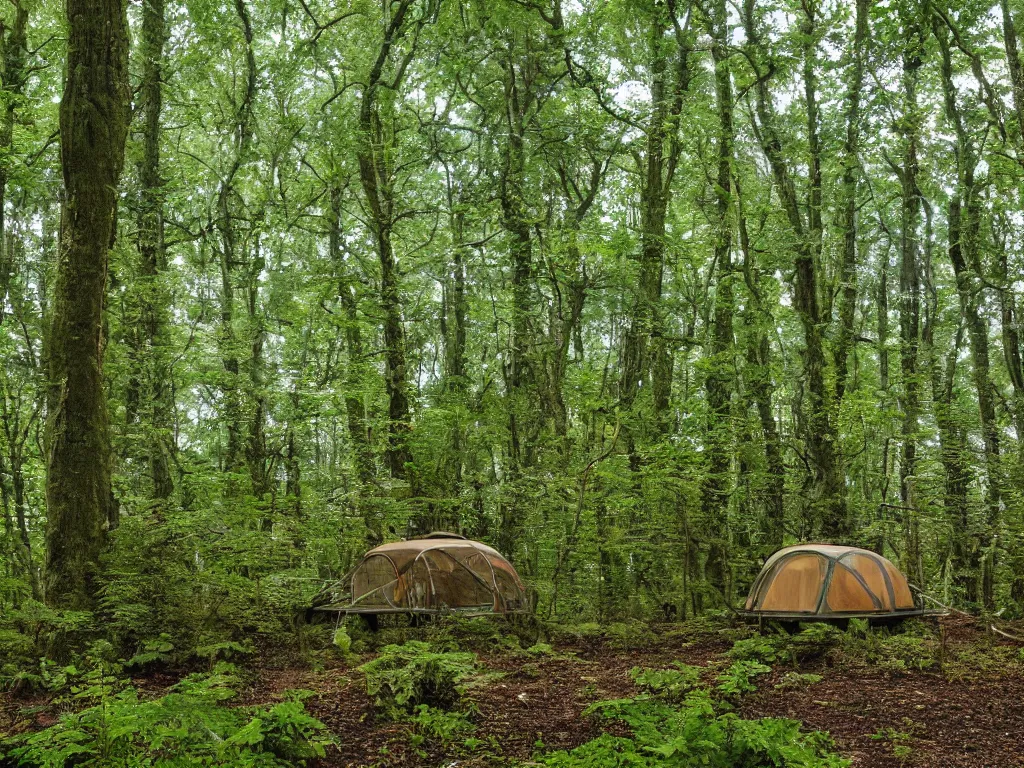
(636, 291)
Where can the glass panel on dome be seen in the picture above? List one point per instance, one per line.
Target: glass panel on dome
(795, 586)
(904, 598)
(847, 593)
(870, 570)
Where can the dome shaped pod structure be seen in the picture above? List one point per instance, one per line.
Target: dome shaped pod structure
(441, 572)
(811, 582)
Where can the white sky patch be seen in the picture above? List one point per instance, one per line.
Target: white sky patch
(631, 92)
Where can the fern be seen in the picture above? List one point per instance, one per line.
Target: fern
(190, 726)
(695, 735)
(404, 676)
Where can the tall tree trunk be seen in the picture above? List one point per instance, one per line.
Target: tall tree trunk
(953, 450)
(1013, 63)
(822, 439)
(257, 453)
(21, 517)
(1010, 311)
(356, 417)
(455, 338)
(848, 196)
(910, 306)
(153, 299)
(809, 43)
(519, 98)
(757, 375)
(17, 431)
(646, 353)
(720, 380)
(376, 173)
(570, 293)
(230, 260)
(12, 60)
(964, 224)
(94, 116)
(882, 323)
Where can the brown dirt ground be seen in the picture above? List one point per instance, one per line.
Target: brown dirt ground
(972, 720)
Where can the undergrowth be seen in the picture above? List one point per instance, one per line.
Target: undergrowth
(405, 676)
(695, 734)
(669, 684)
(192, 725)
(678, 722)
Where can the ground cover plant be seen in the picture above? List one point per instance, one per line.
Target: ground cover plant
(677, 701)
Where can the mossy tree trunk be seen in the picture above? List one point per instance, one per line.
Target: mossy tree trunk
(828, 509)
(910, 301)
(964, 221)
(377, 176)
(94, 117)
(153, 299)
(720, 381)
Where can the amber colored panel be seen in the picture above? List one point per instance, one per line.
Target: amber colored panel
(796, 584)
(846, 593)
(904, 599)
(372, 575)
(870, 569)
(756, 596)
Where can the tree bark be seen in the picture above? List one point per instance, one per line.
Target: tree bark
(953, 450)
(1010, 311)
(153, 298)
(719, 384)
(376, 173)
(910, 304)
(233, 460)
(355, 411)
(94, 117)
(646, 354)
(848, 196)
(757, 375)
(964, 224)
(515, 220)
(829, 505)
(12, 59)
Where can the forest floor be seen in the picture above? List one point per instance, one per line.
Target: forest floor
(965, 709)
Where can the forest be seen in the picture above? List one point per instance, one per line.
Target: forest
(637, 292)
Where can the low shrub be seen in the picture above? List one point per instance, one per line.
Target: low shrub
(737, 679)
(763, 648)
(670, 685)
(539, 650)
(900, 741)
(472, 634)
(693, 735)
(701, 628)
(153, 652)
(433, 724)
(629, 636)
(405, 676)
(792, 680)
(573, 633)
(223, 650)
(190, 726)
(893, 653)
